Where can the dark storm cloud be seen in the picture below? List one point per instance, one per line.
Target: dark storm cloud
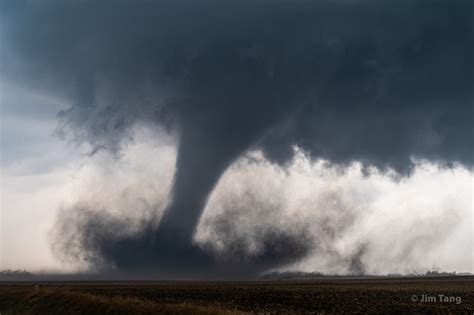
(375, 81)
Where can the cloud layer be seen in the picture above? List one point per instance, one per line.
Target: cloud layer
(307, 215)
(376, 82)
(343, 220)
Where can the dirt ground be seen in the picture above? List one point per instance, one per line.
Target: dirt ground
(420, 295)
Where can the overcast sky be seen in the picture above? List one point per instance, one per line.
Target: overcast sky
(330, 136)
(42, 174)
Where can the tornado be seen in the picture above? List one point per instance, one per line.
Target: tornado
(343, 81)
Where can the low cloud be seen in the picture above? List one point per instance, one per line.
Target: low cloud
(341, 220)
(305, 215)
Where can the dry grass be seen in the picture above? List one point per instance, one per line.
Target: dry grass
(66, 301)
(325, 296)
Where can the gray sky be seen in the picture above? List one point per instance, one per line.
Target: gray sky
(187, 138)
(404, 222)
(34, 168)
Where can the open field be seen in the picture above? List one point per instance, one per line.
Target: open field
(440, 295)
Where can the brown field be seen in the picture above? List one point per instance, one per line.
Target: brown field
(319, 296)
